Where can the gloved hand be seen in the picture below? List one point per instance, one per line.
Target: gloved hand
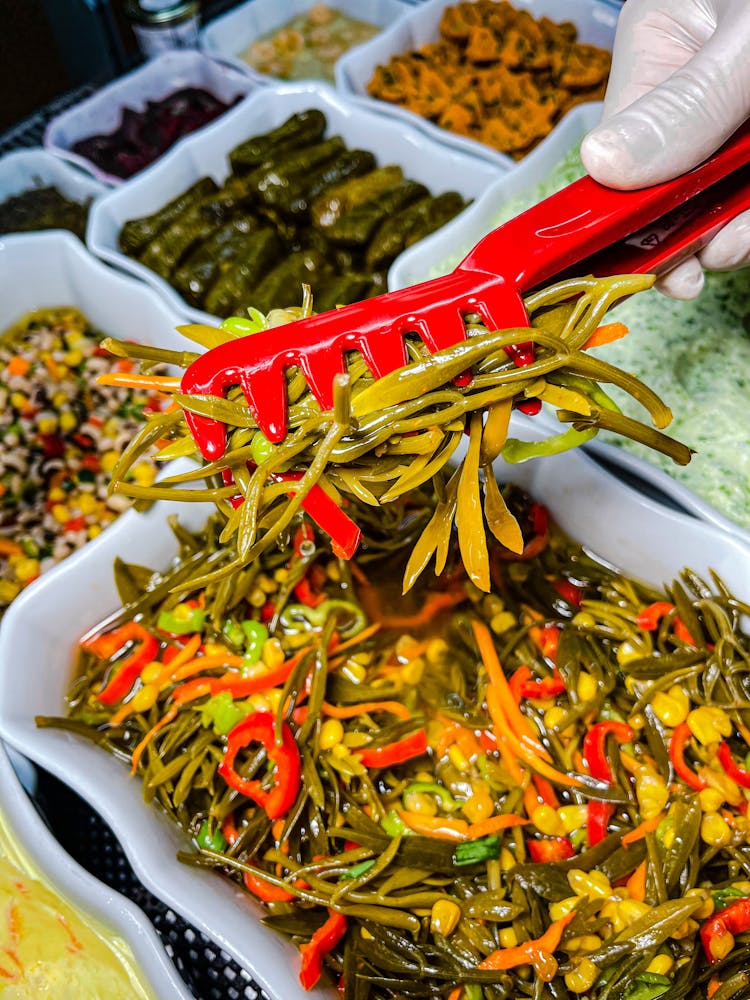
(679, 87)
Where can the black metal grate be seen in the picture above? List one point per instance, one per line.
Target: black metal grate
(209, 972)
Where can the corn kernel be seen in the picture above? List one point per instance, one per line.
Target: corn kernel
(563, 907)
(274, 697)
(502, 622)
(626, 652)
(331, 733)
(9, 590)
(458, 758)
(258, 702)
(340, 751)
(583, 976)
(109, 460)
(660, 965)
(411, 673)
(719, 945)
(436, 650)
(668, 709)
(26, 569)
(68, 421)
(715, 830)
(708, 907)
(593, 884)
(111, 427)
(267, 584)
(17, 400)
(365, 934)
(94, 531)
(444, 917)
(60, 513)
(59, 398)
(272, 654)
(421, 802)
(46, 425)
(354, 671)
(586, 942)
(55, 495)
(651, 791)
(637, 721)
(151, 671)
(507, 859)
(144, 698)
(711, 800)
(144, 473)
(480, 806)
(546, 820)
(686, 929)
(722, 783)
(572, 817)
(632, 910)
(508, 938)
(709, 724)
(87, 503)
(73, 358)
(587, 686)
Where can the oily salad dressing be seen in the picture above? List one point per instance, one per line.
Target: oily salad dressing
(464, 794)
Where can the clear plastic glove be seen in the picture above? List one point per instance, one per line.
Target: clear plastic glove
(680, 86)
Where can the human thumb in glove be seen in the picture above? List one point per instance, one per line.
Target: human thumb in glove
(679, 87)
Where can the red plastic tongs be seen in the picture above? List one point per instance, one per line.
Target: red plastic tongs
(583, 229)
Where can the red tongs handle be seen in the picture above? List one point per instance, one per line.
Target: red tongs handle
(597, 230)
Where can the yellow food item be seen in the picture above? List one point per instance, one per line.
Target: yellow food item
(48, 949)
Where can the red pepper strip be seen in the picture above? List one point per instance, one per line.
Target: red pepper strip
(598, 816)
(680, 630)
(717, 933)
(257, 886)
(323, 941)
(545, 687)
(522, 675)
(327, 514)
(550, 849)
(127, 672)
(649, 617)
(306, 595)
(680, 738)
(549, 638)
(735, 772)
(545, 791)
(259, 727)
(413, 745)
(303, 534)
(569, 592)
(238, 687)
(594, 747)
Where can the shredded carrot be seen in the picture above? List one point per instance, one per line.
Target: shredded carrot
(713, 987)
(434, 604)
(522, 954)
(647, 826)
(606, 334)
(546, 791)
(9, 547)
(18, 365)
(435, 826)
(131, 380)
(495, 823)
(206, 663)
(531, 800)
(139, 750)
(636, 884)
(456, 994)
(351, 711)
(519, 747)
(518, 723)
(184, 655)
(366, 633)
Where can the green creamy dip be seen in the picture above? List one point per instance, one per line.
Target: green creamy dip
(695, 355)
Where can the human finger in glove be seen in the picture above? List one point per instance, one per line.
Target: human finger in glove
(679, 87)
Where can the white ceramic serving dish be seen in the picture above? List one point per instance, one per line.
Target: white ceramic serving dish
(206, 154)
(596, 21)
(228, 36)
(36, 649)
(92, 898)
(39, 270)
(102, 112)
(24, 169)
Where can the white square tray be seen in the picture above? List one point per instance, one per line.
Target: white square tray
(596, 21)
(102, 112)
(206, 154)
